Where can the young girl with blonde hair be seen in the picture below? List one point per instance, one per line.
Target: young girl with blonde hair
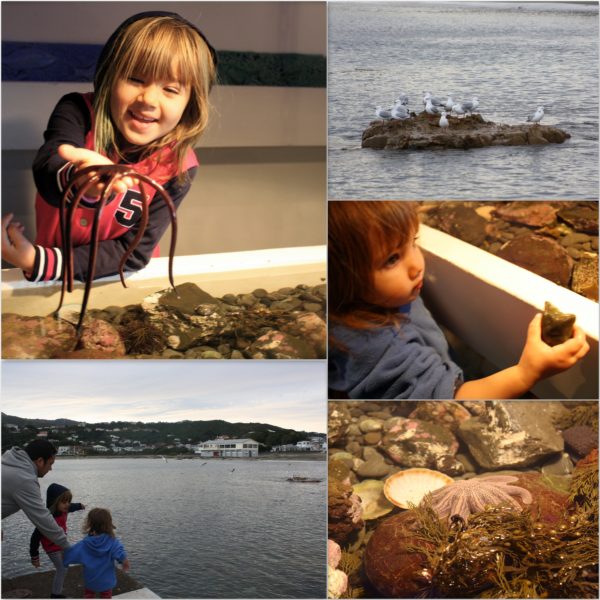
(149, 107)
(383, 342)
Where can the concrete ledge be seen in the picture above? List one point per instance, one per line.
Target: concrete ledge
(39, 584)
(488, 302)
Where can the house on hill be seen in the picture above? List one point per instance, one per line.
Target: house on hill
(222, 448)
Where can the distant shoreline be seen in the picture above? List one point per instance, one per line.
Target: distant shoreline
(310, 456)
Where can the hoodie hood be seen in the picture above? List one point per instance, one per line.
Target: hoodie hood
(17, 458)
(99, 545)
(53, 492)
(101, 68)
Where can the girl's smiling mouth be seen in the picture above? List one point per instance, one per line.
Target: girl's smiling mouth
(141, 118)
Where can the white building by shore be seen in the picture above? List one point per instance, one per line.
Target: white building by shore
(222, 448)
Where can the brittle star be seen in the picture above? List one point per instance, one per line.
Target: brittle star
(83, 181)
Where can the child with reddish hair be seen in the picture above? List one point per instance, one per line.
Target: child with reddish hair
(383, 342)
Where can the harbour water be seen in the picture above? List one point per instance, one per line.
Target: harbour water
(220, 528)
(514, 56)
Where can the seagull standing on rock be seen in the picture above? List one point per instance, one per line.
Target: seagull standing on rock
(449, 103)
(470, 105)
(431, 109)
(444, 120)
(435, 101)
(458, 109)
(537, 116)
(383, 114)
(400, 112)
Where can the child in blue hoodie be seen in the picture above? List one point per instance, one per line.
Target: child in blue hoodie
(97, 553)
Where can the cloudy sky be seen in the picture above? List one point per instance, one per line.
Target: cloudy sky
(283, 393)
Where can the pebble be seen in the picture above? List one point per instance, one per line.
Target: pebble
(367, 425)
(372, 438)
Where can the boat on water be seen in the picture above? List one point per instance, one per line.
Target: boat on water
(299, 479)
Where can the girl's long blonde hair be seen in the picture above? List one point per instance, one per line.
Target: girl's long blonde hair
(160, 48)
(360, 235)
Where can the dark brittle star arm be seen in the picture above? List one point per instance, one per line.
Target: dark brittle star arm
(110, 252)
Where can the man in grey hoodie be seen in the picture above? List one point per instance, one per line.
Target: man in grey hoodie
(21, 489)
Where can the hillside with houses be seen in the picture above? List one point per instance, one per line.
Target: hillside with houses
(202, 438)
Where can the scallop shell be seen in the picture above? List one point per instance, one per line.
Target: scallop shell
(412, 485)
(372, 500)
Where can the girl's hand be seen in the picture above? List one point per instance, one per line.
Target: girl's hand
(126, 565)
(16, 248)
(82, 158)
(539, 360)
(35, 561)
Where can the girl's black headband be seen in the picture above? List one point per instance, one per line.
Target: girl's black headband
(144, 15)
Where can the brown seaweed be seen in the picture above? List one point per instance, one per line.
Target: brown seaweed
(500, 553)
(557, 327)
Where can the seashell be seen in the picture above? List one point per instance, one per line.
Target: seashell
(557, 327)
(411, 485)
(372, 500)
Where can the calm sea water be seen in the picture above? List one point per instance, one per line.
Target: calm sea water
(513, 56)
(199, 531)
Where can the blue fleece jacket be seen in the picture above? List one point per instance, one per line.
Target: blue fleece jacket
(97, 554)
(410, 362)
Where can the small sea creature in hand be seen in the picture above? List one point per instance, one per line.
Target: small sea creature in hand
(557, 327)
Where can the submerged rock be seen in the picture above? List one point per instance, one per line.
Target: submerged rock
(581, 439)
(48, 337)
(35, 337)
(393, 567)
(582, 216)
(344, 512)
(339, 419)
(540, 255)
(462, 222)
(416, 443)
(557, 327)
(511, 435)
(534, 214)
(585, 276)
(278, 344)
(422, 132)
(447, 413)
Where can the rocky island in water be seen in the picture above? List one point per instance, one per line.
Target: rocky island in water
(422, 132)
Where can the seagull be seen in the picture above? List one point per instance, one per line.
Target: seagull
(444, 120)
(458, 109)
(400, 112)
(434, 101)
(383, 114)
(537, 116)
(470, 105)
(402, 99)
(430, 109)
(449, 103)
